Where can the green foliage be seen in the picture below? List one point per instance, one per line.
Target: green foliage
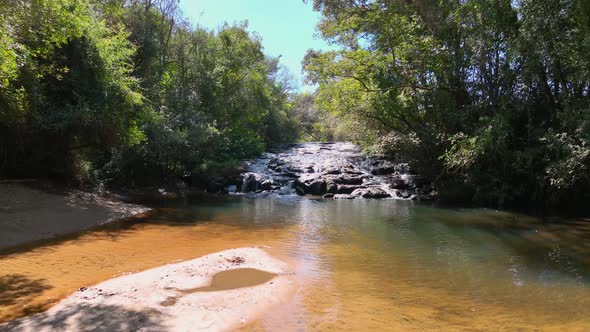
(128, 91)
(488, 95)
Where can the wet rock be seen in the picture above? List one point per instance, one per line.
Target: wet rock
(353, 172)
(313, 186)
(316, 187)
(349, 179)
(332, 188)
(252, 182)
(398, 182)
(383, 170)
(338, 169)
(299, 187)
(373, 192)
(343, 196)
(348, 189)
(267, 185)
(403, 194)
(328, 195)
(421, 181)
(216, 185)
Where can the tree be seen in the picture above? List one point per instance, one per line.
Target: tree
(490, 93)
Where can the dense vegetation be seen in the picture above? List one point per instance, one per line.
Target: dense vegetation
(489, 98)
(128, 91)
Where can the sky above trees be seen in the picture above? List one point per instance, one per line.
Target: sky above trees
(287, 28)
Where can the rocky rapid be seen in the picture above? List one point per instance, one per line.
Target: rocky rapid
(331, 170)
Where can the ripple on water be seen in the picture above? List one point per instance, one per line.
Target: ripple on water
(362, 265)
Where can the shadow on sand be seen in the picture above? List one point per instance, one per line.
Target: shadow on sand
(86, 317)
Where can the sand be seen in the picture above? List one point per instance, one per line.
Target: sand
(30, 211)
(153, 300)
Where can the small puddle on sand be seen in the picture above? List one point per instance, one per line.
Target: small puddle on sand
(226, 280)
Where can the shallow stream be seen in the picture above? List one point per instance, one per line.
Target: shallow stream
(360, 264)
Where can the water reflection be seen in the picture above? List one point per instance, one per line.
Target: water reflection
(361, 264)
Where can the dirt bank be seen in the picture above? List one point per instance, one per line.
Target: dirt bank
(167, 298)
(31, 211)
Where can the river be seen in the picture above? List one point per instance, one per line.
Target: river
(361, 264)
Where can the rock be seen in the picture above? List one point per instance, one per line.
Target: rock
(294, 170)
(317, 187)
(348, 179)
(370, 193)
(332, 188)
(403, 194)
(267, 185)
(329, 195)
(252, 182)
(311, 170)
(398, 182)
(333, 171)
(216, 186)
(290, 175)
(383, 170)
(421, 181)
(343, 196)
(299, 187)
(353, 172)
(312, 186)
(249, 183)
(347, 189)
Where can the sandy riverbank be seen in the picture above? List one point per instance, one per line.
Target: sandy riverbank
(31, 211)
(153, 300)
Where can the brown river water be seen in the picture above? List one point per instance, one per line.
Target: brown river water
(360, 264)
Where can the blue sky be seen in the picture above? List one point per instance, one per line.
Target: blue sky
(287, 27)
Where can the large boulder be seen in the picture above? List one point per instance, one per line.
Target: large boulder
(252, 182)
(317, 187)
(332, 188)
(267, 185)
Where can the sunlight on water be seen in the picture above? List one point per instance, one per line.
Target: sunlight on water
(361, 264)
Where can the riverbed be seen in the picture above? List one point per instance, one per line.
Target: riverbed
(359, 264)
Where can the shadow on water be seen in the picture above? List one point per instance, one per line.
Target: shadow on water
(90, 318)
(170, 216)
(16, 287)
(551, 248)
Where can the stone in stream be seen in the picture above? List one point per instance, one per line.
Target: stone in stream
(372, 192)
(348, 179)
(333, 171)
(316, 187)
(348, 189)
(267, 185)
(343, 196)
(249, 183)
(332, 188)
(341, 170)
(253, 182)
(398, 182)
